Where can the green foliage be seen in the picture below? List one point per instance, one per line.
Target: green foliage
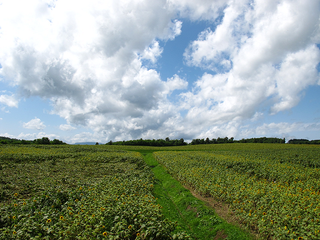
(56, 142)
(231, 140)
(44, 140)
(274, 190)
(78, 192)
(50, 191)
(191, 214)
(159, 142)
(303, 141)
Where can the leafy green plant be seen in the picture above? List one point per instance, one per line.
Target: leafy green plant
(278, 198)
(75, 194)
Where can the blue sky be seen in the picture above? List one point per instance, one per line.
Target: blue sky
(120, 70)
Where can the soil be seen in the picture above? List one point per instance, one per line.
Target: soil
(221, 235)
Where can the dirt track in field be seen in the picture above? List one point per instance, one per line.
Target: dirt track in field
(223, 211)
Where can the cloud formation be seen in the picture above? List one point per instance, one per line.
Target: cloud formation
(262, 50)
(35, 124)
(9, 100)
(66, 127)
(32, 136)
(281, 129)
(88, 58)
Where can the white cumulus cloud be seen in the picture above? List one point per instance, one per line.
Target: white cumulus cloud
(84, 56)
(200, 9)
(175, 83)
(35, 124)
(262, 50)
(88, 58)
(152, 52)
(9, 100)
(285, 129)
(32, 136)
(66, 127)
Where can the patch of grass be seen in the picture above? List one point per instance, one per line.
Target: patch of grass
(191, 214)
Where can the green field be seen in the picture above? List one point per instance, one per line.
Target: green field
(271, 191)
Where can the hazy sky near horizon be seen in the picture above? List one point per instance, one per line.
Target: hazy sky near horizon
(127, 69)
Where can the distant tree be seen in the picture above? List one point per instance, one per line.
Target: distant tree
(56, 142)
(314, 142)
(298, 141)
(25, 142)
(45, 140)
(220, 140)
(97, 143)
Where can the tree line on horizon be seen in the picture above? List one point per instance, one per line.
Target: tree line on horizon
(44, 140)
(165, 142)
(303, 141)
(181, 142)
(253, 140)
(153, 142)
(231, 140)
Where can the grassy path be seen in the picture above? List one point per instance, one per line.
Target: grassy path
(191, 214)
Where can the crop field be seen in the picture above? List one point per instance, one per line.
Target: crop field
(274, 191)
(78, 192)
(109, 192)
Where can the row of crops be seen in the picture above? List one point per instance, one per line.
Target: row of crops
(70, 192)
(274, 192)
